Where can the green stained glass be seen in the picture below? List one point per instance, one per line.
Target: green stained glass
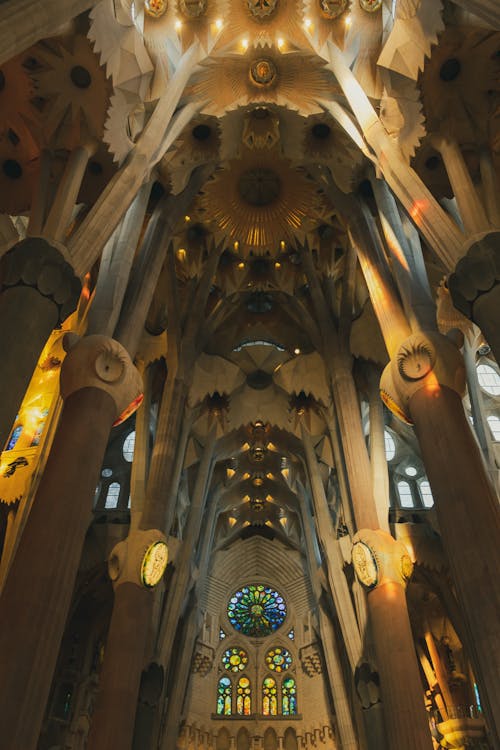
(235, 659)
(288, 697)
(269, 697)
(224, 697)
(278, 659)
(256, 610)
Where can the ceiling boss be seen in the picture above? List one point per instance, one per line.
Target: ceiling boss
(262, 9)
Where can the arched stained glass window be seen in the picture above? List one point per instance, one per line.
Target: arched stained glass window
(390, 446)
(244, 697)
(494, 425)
(426, 493)
(224, 697)
(278, 659)
(235, 659)
(269, 697)
(113, 496)
(256, 610)
(489, 379)
(129, 446)
(405, 495)
(288, 697)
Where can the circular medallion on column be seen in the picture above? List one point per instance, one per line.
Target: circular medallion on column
(365, 564)
(154, 563)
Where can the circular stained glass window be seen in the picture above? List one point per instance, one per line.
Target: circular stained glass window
(235, 659)
(278, 659)
(256, 610)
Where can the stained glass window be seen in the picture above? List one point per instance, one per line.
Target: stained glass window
(235, 659)
(129, 446)
(244, 697)
(288, 697)
(278, 659)
(16, 432)
(224, 697)
(113, 496)
(256, 610)
(269, 697)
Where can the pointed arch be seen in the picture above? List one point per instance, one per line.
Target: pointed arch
(244, 697)
(290, 742)
(269, 697)
(224, 697)
(288, 696)
(243, 740)
(270, 739)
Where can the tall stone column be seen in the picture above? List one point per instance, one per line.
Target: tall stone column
(383, 567)
(136, 566)
(425, 381)
(38, 290)
(98, 382)
(475, 288)
(24, 22)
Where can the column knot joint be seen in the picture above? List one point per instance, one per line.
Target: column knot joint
(140, 559)
(426, 359)
(476, 273)
(378, 559)
(36, 263)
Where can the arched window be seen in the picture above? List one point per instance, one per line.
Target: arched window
(270, 739)
(494, 425)
(224, 697)
(290, 740)
(489, 379)
(244, 697)
(129, 446)
(269, 697)
(113, 496)
(405, 495)
(243, 740)
(390, 446)
(426, 493)
(288, 697)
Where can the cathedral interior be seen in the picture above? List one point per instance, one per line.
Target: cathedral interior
(250, 382)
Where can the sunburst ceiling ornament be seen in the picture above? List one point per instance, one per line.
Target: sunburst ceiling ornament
(193, 8)
(260, 201)
(263, 22)
(293, 80)
(76, 91)
(262, 9)
(332, 9)
(155, 8)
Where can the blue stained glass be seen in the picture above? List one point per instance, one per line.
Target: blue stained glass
(14, 437)
(256, 610)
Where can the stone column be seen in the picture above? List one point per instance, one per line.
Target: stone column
(469, 205)
(24, 22)
(38, 290)
(425, 381)
(488, 10)
(136, 566)
(98, 382)
(475, 288)
(383, 566)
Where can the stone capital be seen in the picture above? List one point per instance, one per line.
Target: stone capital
(378, 559)
(103, 363)
(425, 360)
(43, 266)
(476, 273)
(141, 559)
